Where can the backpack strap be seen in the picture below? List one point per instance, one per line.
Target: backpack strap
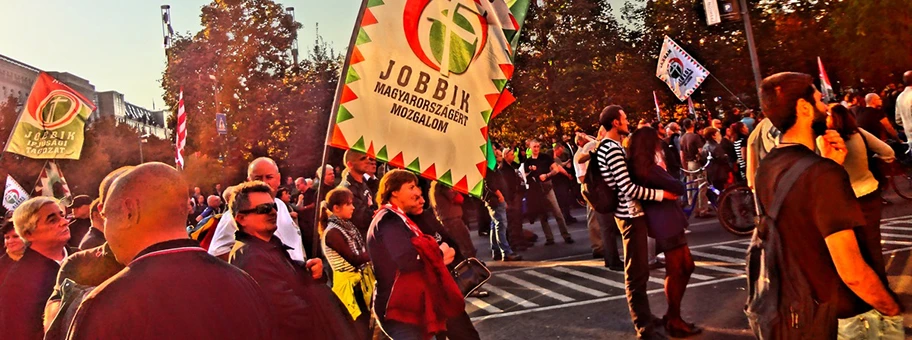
(785, 184)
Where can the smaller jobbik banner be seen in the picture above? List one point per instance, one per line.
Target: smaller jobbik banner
(13, 195)
(52, 122)
(679, 70)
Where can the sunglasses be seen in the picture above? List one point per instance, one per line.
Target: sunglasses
(261, 209)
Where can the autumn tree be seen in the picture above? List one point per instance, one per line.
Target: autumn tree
(566, 67)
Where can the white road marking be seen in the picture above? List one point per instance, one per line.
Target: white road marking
(590, 277)
(540, 290)
(889, 227)
(483, 305)
(737, 250)
(692, 275)
(709, 266)
(897, 243)
(512, 298)
(728, 259)
(895, 235)
(599, 300)
(568, 284)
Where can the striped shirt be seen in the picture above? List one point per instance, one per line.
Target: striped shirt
(336, 262)
(612, 164)
(742, 162)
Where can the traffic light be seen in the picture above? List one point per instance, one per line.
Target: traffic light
(718, 11)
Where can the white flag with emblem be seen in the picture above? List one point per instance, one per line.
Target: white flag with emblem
(679, 70)
(13, 195)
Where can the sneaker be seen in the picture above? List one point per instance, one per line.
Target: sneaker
(549, 242)
(569, 240)
(598, 254)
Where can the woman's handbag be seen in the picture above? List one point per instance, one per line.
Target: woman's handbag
(470, 274)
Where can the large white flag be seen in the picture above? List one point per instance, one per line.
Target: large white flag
(424, 79)
(679, 70)
(13, 195)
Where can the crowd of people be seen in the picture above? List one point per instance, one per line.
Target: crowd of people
(147, 259)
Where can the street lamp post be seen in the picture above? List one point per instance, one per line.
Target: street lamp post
(142, 140)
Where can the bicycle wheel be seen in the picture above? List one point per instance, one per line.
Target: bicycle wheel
(901, 181)
(737, 211)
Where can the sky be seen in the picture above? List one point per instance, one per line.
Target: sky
(117, 44)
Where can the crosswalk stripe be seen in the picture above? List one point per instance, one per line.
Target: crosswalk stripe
(590, 277)
(692, 275)
(568, 284)
(706, 265)
(651, 279)
(888, 227)
(512, 298)
(483, 305)
(532, 286)
(718, 257)
(897, 243)
(737, 250)
(895, 235)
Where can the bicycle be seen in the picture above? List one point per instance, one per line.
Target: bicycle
(735, 206)
(899, 173)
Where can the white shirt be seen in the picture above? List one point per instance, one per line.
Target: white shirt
(582, 167)
(287, 232)
(904, 111)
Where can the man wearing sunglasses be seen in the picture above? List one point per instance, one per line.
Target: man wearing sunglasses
(261, 169)
(293, 290)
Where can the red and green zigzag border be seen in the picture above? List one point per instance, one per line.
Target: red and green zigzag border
(498, 102)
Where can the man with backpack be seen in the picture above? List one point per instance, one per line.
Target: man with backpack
(612, 166)
(809, 268)
(603, 232)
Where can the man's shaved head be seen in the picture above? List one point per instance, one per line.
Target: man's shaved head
(265, 169)
(147, 205)
(109, 179)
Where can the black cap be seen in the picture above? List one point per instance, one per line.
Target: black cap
(80, 200)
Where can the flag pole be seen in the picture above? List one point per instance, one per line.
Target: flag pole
(729, 91)
(332, 119)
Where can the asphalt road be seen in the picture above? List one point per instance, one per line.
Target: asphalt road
(561, 292)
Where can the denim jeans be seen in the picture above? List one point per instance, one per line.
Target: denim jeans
(871, 325)
(500, 247)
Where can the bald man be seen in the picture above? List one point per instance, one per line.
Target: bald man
(873, 119)
(261, 169)
(158, 295)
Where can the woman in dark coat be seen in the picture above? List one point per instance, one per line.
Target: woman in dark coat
(666, 224)
(720, 168)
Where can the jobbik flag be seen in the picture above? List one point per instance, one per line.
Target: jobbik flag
(679, 70)
(424, 79)
(13, 194)
(52, 184)
(52, 122)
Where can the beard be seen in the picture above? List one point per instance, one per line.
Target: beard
(819, 125)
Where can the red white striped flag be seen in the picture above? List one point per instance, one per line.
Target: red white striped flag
(826, 88)
(181, 131)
